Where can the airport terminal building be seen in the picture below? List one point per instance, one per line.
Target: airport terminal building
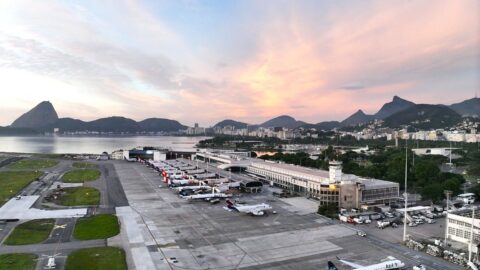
(345, 190)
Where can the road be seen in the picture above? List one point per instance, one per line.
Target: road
(52, 247)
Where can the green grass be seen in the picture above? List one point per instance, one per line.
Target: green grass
(99, 258)
(18, 261)
(12, 182)
(97, 227)
(80, 196)
(31, 232)
(84, 165)
(33, 164)
(81, 175)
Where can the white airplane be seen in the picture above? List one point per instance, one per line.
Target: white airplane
(390, 264)
(197, 187)
(255, 209)
(207, 196)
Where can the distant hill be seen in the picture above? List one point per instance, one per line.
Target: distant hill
(40, 116)
(11, 131)
(160, 124)
(326, 125)
(424, 116)
(356, 119)
(70, 125)
(396, 105)
(283, 121)
(469, 107)
(43, 118)
(232, 123)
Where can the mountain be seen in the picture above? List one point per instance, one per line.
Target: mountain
(40, 116)
(232, 123)
(160, 124)
(283, 121)
(396, 105)
(43, 118)
(326, 125)
(424, 116)
(469, 107)
(356, 119)
(70, 125)
(114, 124)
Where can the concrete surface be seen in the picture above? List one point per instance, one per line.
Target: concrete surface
(162, 229)
(21, 209)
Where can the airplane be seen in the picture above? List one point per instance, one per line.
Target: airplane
(197, 187)
(207, 196)
(256, 209)
(390, 264)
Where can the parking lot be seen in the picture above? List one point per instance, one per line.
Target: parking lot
(161, 230)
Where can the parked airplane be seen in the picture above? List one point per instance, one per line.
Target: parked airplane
(207, 196)
(390, 264)
(255, 209)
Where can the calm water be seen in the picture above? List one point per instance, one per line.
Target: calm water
(92, 145)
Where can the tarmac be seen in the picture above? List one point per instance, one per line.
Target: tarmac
(162, 231)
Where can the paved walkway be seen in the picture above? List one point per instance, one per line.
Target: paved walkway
(21, 209)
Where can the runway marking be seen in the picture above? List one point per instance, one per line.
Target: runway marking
(60, 226)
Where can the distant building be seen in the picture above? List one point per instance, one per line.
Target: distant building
(433, 151)
(145, 154)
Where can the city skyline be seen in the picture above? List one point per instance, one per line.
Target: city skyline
(312, 60)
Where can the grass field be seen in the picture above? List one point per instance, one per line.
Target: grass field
(18, 261)
(100, 258)
(12, 182)
(84, 165)
(31, 232)
(33, 164)
(81, 175)
(80, 196)
(97, 227)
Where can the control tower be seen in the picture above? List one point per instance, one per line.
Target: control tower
(335, 171)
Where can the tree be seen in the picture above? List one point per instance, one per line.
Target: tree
(426, 171)
(329, 210)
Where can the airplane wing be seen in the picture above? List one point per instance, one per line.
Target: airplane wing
(351, 264)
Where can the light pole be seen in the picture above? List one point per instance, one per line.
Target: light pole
(405, 194)
(447, 194)
(471, 237)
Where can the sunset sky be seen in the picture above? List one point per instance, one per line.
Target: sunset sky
(205, 61)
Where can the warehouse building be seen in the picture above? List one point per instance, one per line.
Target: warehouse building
(459, 227)
(345, 190)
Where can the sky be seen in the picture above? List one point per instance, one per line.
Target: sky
(205, 61)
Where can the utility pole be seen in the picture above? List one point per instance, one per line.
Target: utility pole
(447, 193)
(405, 194)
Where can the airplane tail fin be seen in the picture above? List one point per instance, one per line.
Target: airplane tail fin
(331, 266)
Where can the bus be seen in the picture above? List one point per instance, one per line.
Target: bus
(467, 198)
